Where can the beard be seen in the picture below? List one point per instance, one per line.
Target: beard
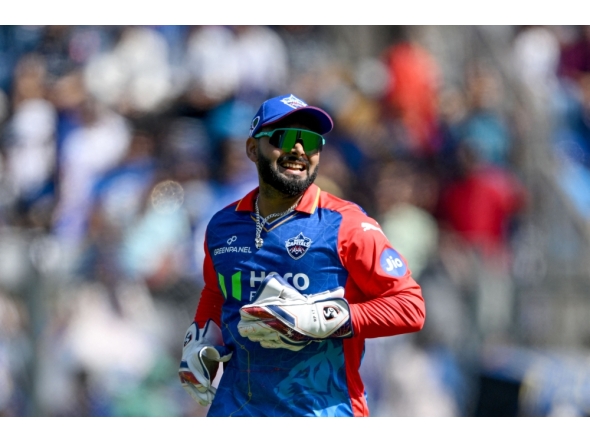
(290, 186)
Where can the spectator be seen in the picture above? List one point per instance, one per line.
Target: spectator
(481, 202)
(254, 64)
(412, 92)
(135, 76)
(484, 127)
(88, 152)
(536, 57)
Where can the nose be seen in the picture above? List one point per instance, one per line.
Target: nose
(298, 149)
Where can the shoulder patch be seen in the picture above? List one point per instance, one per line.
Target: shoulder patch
(392, 263)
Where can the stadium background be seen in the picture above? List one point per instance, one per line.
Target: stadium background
(469, 144)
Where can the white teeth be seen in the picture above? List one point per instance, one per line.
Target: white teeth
(292, 166)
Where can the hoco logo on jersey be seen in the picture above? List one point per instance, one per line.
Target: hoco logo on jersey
(231, 285)
(392, 263)
(297, 246)
(298, 280)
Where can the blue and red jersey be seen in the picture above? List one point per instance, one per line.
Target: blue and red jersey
(325, 243)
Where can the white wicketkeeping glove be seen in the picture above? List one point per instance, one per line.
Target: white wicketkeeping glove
(202, 352)
(281, 317)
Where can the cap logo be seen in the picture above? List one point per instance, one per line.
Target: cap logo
(293, 102)
(297, 246)
(254, 124)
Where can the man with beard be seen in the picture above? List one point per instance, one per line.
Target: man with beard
(295, 280)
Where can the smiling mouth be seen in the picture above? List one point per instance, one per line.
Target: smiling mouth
(292, 165)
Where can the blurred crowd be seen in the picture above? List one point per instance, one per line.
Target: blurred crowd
(118, 143)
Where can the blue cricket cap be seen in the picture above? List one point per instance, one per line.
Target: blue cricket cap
(277, 108)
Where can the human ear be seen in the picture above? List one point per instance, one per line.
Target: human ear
(252, 149)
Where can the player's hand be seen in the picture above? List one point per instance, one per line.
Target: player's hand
(202, 352)
(281, 317)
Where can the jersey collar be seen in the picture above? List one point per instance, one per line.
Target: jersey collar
(307, 204)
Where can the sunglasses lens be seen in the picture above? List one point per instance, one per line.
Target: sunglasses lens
(287, 138)
(311, 141)
(276, 139)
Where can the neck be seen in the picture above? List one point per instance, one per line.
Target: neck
(272, 201)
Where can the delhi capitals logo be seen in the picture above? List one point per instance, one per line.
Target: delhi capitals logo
(293, 102)
(297, 246)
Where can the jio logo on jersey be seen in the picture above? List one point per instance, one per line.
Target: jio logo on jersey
(392, 263)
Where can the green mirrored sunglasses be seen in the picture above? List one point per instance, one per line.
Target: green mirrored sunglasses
(286, 138)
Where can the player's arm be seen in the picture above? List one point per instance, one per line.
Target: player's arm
(211, 301)
(203, 347)
(384, 298)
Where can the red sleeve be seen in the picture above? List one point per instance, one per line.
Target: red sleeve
(384, 298)
(211, 300)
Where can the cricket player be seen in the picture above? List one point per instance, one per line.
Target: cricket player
(296, 280)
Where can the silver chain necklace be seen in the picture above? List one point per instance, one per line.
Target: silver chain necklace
(260, 221)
